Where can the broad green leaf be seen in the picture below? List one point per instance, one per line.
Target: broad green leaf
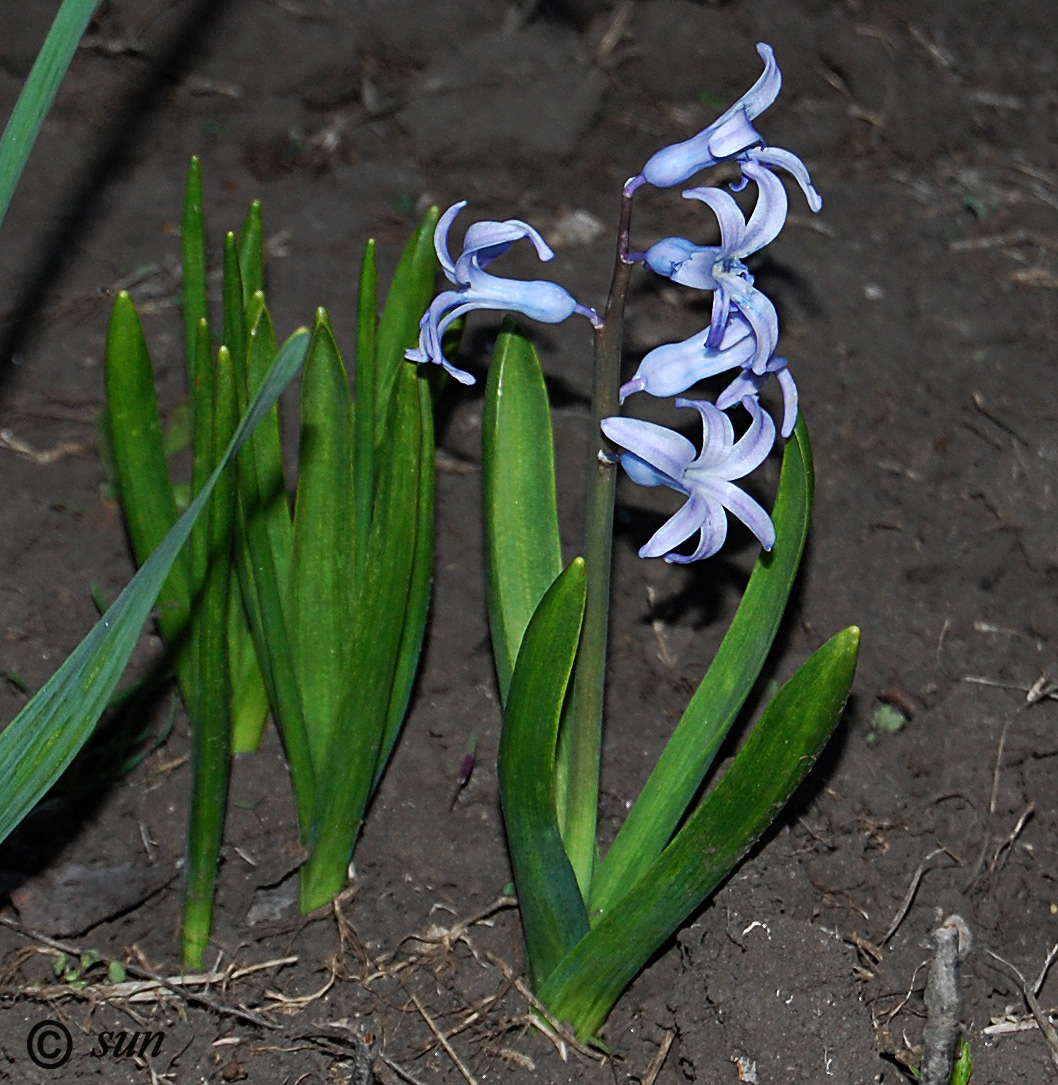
(39, 92)
(366, 366)
(322, 576)
(44, 737)
(524, 555)
(776, 757)
(553, 916)
(408, 298)
(139, 458)
(715, 706)
(374, 650)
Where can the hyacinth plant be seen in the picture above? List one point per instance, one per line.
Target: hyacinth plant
(316, 613)
(592, 921)
(40, 743)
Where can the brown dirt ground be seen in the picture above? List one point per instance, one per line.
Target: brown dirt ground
(920, 314)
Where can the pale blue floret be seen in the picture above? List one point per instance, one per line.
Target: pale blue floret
(731, 136)
(657, 456)
(673, 368)
(476, 289)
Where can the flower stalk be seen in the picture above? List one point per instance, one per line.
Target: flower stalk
(580, 741)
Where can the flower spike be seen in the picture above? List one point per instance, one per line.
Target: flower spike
(476, 289)
(657, 456)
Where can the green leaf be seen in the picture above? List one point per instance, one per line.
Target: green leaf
(408, 298)
(524, 555)
(39, 92)
(374, 651)
(719, 699)
(139, 458)
(776, 757)
(263, 551)
(44, 737)
(366, 366)
(322, 580)
(193, 257)
(209, 701)
(251, 254)
(417, 604)
(553, 916)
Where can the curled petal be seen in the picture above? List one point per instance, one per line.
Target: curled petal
(728, 215)
(789, 399)
(776, 156)
(668, 452)
(440, 239)
(484, 241)
(769, 212)
(718, 438)
(741, 505)
(740, 458)
(758, 311)
(697, 514)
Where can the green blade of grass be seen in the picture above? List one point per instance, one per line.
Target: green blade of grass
(193, 259)
(210, 700)
(554, 919)
(523, 552)
(774, 760)
(139, 460)
(322, 579)
(713, 709)
(44, 737)
(417, 604)
(366, 366)
(38, 94)
(263, 549)
(251, 254)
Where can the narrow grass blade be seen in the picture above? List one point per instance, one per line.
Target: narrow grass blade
(263, 550)
(139, 459)
(374, 651)
(210, 699)
(524, 555)
(719, 699)
(193, 259)
(408, 298)
(322, 572)
(251, 254)
(39, 92)
(417, 604)
(249, 696)
(774, 760)
(366, 368)
(44, 737)
(554, 919)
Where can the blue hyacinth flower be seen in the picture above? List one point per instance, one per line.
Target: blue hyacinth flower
(476, 289)
(731, 136)
(657, 456)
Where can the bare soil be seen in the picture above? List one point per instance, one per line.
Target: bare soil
(920, 315)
